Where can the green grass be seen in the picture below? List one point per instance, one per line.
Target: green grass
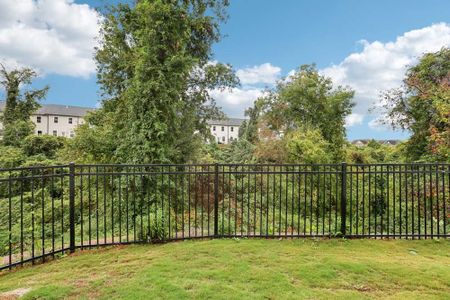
(239, 269)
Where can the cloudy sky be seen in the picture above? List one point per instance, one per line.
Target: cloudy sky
(363, 44)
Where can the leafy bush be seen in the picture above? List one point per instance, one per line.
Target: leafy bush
(308, 146)
(11, 157)
(46, 145)
(157, 228)
(15, 133)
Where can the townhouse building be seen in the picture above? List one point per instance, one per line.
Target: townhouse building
(61, 120)
(225, 131)
(55, 119)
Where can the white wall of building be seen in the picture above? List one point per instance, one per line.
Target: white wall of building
(57, 125)
(224, 134)
(60, 120)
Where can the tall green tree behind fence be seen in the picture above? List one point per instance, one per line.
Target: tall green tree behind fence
(19, 106)
(156, 71)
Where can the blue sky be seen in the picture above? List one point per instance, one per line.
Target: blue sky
(365, 44)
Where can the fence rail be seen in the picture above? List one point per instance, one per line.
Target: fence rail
(47, 211)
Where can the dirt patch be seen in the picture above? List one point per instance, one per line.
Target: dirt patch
(14, 294)
(363, 288)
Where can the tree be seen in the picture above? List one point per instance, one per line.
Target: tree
(307, 146)
(374, 152)
(11, 157)
(309, 100)
(249, 128)
(18, 106)
(422, 106)
(155, 71)
(239, 152)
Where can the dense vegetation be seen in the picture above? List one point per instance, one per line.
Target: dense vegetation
(422, 106)
(155, 70)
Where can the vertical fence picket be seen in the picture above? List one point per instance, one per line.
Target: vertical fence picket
(344, 199)
(147, 203)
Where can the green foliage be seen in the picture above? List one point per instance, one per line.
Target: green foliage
(18, 106)
(271, 151)
(307, 146)
(210, 153)
(93, 142)
(309, 99)
(155, 72)
(422, 105)
(46, 145)
(374, 152)
(157, 229)
(249, 128)
(11, 157)
(14, 133)
(239, 152)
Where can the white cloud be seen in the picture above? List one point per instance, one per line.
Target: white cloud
(377, 124)
(353, 119)
(381, 66)
(234, 102)
(262, 74)
(377, 67)
(54, 36)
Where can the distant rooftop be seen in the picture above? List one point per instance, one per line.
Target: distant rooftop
(384, 142)
(227, 121)
(58, 109)
(79, 111)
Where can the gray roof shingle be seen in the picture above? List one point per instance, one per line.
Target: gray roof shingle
(226, 122)
(58, 109)
(79, 111)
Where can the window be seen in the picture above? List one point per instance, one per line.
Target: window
(223, 139)
(63, 133)
(214, 128)
(70, 120)
(39, 132)
(72, 134)
(55, 120)
(223, 128)
(232, 129)
(231, 138)
(38, 119)
(55, 133)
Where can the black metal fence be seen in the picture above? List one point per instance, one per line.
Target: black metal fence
(46, 211)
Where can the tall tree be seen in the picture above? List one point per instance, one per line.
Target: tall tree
(155, 70)
(309, 100)
(249, 128)
(19, 106)
(422, 106)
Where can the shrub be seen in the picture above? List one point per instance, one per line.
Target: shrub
(308, 146)
(11, 157)
(46, 145)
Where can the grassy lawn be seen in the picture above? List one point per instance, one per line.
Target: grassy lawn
(238, 269)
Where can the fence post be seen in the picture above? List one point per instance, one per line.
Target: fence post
(343, 199)
(72, 206)
(216, 200)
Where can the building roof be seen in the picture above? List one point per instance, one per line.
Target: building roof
(58, 110)
(227, 122)
(384, 142)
